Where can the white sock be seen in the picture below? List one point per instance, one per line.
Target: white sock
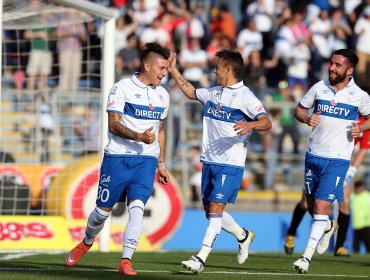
(133, 228)
(212, 232)
(95, 224)
(351, 172)
(317, 230)
(228, 224)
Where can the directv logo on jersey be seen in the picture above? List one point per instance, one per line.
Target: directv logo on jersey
(333, 110)
(218, 113)
(148, 114)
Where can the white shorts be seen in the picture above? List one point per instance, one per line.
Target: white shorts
(39, 62)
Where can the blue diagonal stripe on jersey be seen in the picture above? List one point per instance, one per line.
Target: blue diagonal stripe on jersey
(225, 113)
(339, 111)
(142, 112)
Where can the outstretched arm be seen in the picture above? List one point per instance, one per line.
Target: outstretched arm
(117, 128)
(187, 88)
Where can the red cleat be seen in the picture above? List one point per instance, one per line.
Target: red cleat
(75, 255)
(125, 267)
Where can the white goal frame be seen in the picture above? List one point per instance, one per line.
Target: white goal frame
(107, 71)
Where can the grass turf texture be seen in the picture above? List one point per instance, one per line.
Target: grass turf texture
(166, 265)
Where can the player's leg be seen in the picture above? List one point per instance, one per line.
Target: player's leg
(243, 236)
(131, 236)
(138, 193)
(95, 224)
(343, 223)
(298, 214)
(319, 225)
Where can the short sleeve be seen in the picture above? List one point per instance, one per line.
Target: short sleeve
(309, 98)
(116, 99)
(254, 107)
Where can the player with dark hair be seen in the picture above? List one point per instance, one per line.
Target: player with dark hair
(344, 207)
(136, 109)
(230, 115)
(337, 104)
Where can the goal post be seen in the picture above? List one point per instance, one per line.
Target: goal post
(13, 12)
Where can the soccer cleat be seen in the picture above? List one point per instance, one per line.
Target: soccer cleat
(75, 255)
(244, 247)
(324, 242)
(341, 252)
(289, 244)
(125, 267)
(195, 265)
(301, 265)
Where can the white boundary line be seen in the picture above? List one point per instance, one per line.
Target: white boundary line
(186, 272)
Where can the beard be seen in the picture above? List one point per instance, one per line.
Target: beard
(338, 78)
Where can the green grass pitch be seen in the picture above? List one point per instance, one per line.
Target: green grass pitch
(166, 265)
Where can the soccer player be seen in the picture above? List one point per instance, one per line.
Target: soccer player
(136, 109)
(337, 104)
(230, 114)
(344, 207)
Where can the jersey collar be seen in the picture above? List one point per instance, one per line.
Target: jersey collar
(236, 86)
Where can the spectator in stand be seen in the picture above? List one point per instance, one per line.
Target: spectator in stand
(40, 59)
(46, 124)
(71, 37)
(262, 13)
(360, 201)
(124, 27)
(193, 61)
(298, 67)
(249, 39)
(155, 33)
(227, 22)
(192, 27)
(340, 30)
(128, 59)
(287, 120)
(254, 76)
(362, 30)
(142, 15)
(88, 131)
(320, 29)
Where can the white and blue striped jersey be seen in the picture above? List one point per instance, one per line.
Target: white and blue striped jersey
(331, 138)
(223, 106)
(141, 107)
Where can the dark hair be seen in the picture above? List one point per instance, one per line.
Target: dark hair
(351, 56)
(358, 184)
(233, 59)
(154, 48)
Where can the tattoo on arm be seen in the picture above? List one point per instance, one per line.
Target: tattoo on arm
(115, 127)
(185, 83)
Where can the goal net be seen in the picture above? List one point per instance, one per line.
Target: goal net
(55, 76)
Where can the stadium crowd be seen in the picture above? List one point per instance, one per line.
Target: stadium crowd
(285, 45)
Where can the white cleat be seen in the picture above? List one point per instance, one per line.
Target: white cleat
(195, 265)
(244, 247)
(324, 242)
(301, 265)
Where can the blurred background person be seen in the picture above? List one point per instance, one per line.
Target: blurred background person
(70, 40)
(360, 201)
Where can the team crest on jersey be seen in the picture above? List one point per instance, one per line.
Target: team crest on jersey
(219, 106)
(113, 90)
(151, 107)
(333, 103)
